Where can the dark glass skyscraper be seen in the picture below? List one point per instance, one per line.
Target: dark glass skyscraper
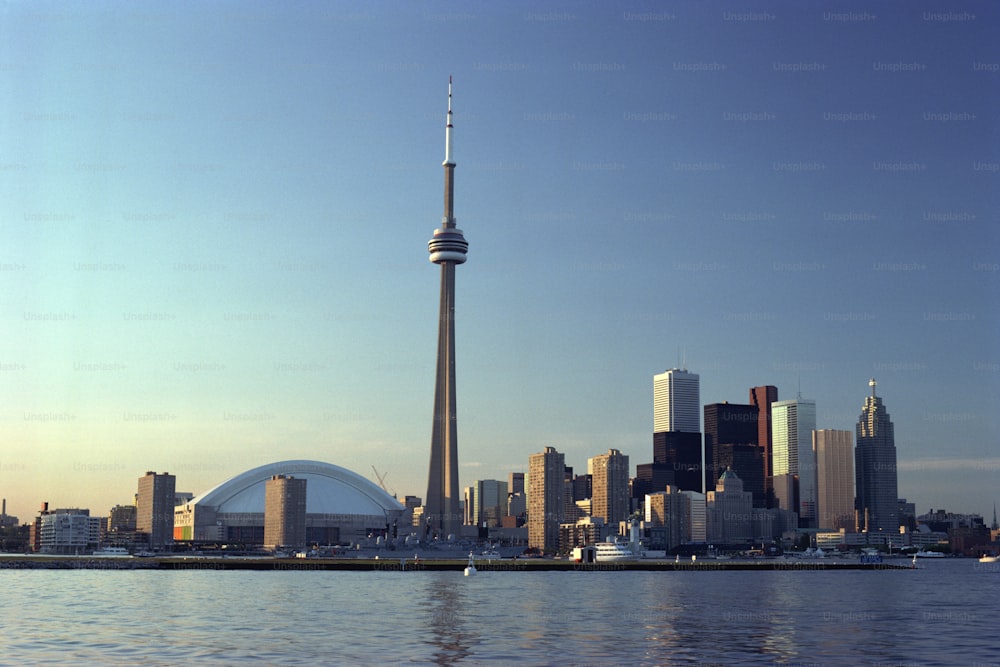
(761, 398)
(875, 468)
(729, 424)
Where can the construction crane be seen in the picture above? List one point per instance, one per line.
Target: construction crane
(381, 482)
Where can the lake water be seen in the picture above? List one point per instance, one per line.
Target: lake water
(944, 613)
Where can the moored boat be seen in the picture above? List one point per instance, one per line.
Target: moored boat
(928, 554)
(112, 552)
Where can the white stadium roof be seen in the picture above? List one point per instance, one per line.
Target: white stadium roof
(330, 489)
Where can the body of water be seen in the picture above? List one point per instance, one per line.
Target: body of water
(944, 613)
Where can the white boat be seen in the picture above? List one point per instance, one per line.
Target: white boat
(490, 554)
(989, 558)
(609, 552)
(112, 552)
(928, 554)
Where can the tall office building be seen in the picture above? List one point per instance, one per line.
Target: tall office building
(515, 482)
(680, 454)
(676, 402)
(546, 494)
(609, 491)
(729, 424)
(284, 512)
(875, 468)
(761, 398)
(448, 248)
(651, 478)
(793, 462)
(154, 509)
(834, 478)
(677, 427)
(489, 503)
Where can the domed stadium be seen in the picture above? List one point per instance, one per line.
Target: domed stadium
(341, 506)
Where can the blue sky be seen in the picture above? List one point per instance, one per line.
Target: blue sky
(216, 215)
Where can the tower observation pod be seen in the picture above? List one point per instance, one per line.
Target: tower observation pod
(448, 244)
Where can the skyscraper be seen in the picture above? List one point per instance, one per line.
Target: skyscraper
(546, 492)
(154, 509)
(488, 499)
(875, 468)
(284, 512)
(834, 478)
(728, 425)
(761, 398)
(448, 248)
(676, 402)
(793, 462)
(677, 427)
(609, 488)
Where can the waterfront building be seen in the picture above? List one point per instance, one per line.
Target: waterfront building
(794, 464)
(584, 531)
(68, 531)
(6, 520)
(875, 468)
(154, 509)
(120, 527)
(546, 497)
(285, 512)
(670, 509)
(834, 452)
(729, 511)
(761, 398)
(121, 519)
(448, 249)
(610, 492)
(697, 520)
(341, 506)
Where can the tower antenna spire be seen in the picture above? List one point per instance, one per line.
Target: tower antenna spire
(448, 159)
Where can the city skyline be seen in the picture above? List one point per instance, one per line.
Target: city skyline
(794, 198)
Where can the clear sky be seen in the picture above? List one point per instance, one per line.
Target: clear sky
(213, 235)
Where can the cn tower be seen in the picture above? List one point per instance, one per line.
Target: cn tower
(442, 513)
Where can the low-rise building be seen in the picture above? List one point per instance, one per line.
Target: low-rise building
(68, 531)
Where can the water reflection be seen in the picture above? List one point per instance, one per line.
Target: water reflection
(450, 617)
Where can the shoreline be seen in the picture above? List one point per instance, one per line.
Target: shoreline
(20, 562)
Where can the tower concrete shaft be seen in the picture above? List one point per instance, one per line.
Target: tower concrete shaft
(448, 248)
